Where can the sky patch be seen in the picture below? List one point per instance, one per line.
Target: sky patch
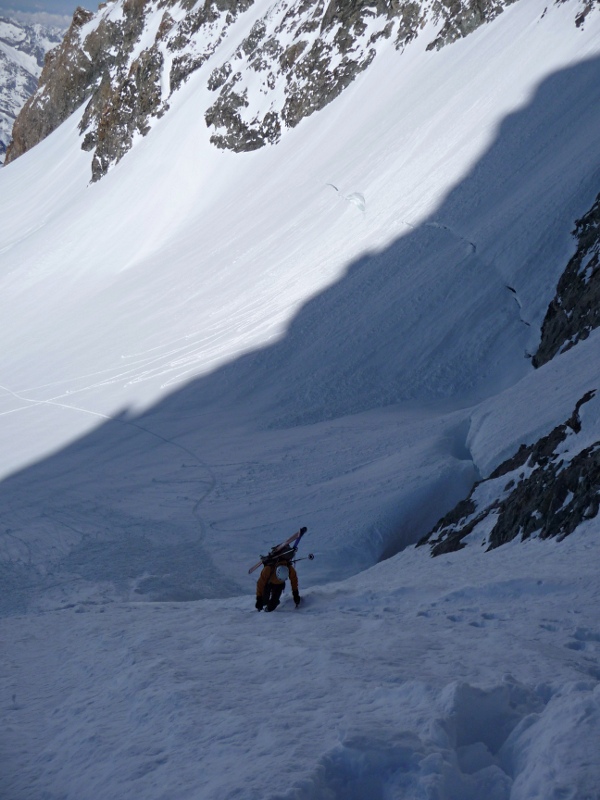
(57, 13)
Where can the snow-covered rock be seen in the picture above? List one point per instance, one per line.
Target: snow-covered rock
(547, 489)
(575, 310)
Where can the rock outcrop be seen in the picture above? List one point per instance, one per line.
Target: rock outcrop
(125, 62)
(546, 489)
(575, 310)
(462, 18)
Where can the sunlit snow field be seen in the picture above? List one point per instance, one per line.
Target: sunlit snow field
(204, 351)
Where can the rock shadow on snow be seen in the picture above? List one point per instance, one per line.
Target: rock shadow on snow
(396, 328)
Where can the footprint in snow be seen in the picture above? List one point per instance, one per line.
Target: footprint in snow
(584, 639)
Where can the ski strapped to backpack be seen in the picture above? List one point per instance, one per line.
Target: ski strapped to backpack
(286, 550)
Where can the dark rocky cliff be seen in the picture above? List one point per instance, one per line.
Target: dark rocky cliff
(575, 310)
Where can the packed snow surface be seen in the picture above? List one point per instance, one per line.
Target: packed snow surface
(464, 677)
(204, 351)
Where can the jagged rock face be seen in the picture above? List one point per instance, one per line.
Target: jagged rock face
(309, 53)
(462, 18)
(575, 310)
(22, 52)
(126, 86)
(128, 59)
(546, 489)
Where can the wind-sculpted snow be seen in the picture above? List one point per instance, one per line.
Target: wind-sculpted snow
(484, 743)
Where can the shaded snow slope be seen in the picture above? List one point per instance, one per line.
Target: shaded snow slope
(463, 677)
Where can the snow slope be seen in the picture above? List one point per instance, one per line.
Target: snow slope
(463, 677)
(205, 350)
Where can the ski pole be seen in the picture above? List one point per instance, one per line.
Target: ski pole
(309, 557)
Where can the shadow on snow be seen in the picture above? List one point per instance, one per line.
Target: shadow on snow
(446, 314)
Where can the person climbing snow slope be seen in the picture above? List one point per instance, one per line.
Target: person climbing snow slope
(271, 583)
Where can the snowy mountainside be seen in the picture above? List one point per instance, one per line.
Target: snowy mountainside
(22, 51)
(418, 277)
(273, 64)
(206, 349)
